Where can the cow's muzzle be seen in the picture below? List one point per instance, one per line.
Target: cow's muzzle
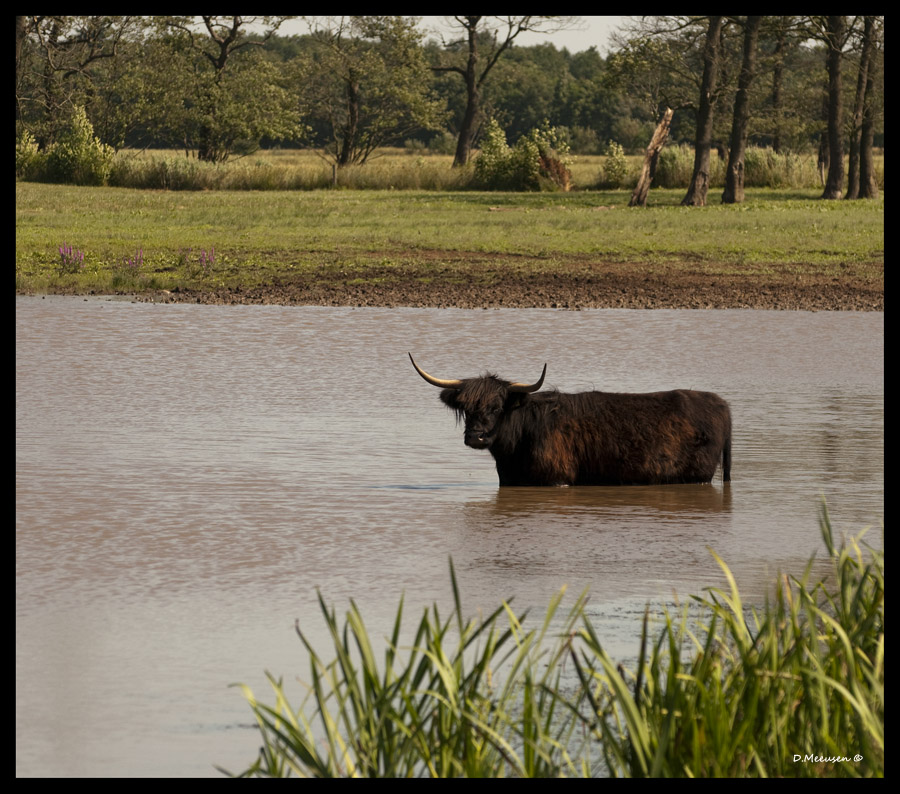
(477, 439)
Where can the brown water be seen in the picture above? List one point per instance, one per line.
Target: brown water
(187, 476)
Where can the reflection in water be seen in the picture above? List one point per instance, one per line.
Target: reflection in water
(664, 501)
(639, 540)
(188, 476)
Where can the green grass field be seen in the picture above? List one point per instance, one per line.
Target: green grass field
(260, 235)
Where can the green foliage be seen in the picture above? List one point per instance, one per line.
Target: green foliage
(615, 166)
(674, 167)
(366, 81)
(27, 155)
(767, 168)
(231, 112)
(584, 140)
(493, 163)
(762, 168)
(443, 143)
(793, 689)
(160, 81)
(78, 157)
(435, 711)
(539, 161)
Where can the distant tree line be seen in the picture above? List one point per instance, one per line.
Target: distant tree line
(217, 87)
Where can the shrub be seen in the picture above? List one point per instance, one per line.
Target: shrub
(414, 146)
(539, 161)
(584, 140)
(615, 166)
(443, 143)
(764, 167)
(674, 167)
(28, 157)
(77, 156)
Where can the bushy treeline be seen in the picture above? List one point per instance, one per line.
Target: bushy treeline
(219, 87)
(541, 160)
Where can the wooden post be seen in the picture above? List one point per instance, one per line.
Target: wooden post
(639, 196)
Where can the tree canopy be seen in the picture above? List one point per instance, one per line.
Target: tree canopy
(222, 86)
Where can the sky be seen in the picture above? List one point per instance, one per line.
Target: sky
(591, 32)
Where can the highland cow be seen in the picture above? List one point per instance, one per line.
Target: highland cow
(594, 437)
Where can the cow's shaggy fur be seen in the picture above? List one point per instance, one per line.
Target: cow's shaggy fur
(595, 438)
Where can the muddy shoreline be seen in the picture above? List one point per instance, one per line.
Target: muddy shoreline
(587, 287)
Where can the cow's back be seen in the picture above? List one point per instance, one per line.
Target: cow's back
(606, 438)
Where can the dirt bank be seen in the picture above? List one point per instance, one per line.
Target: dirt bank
(576, 286)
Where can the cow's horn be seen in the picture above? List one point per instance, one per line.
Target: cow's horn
(525, 387)
(443, 384)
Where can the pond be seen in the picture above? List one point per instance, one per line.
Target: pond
(187, 478)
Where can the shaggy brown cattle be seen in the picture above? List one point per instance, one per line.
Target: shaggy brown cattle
(591, 438)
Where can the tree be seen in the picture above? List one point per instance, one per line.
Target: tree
(734, 173)
(782, 42)
(503, 32)
(231, 97)
(793, 116)
(639, 195)
(697, 190)
(60, 64)
(864, 85)
(367, 79)
(662, 62)
(23, 25)
(834, 31)
(868, 186)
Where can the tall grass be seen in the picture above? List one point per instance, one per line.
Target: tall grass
(438, 712)
(794, 688)
(286, 171)
(763, 167)
(397, 169)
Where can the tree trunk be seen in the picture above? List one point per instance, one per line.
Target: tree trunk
(822, 159)
(639, 196)
(470, 118)
(351, 128)
(696, 194)
(21, 32)
(777, 84)
(859, 105)
(835, 28)
(734, 174)
(51, 89)
(868, 184)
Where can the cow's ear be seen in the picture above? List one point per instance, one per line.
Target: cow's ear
(450, 397)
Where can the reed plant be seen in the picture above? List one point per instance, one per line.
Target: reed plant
(440, 711)
(794, 688)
